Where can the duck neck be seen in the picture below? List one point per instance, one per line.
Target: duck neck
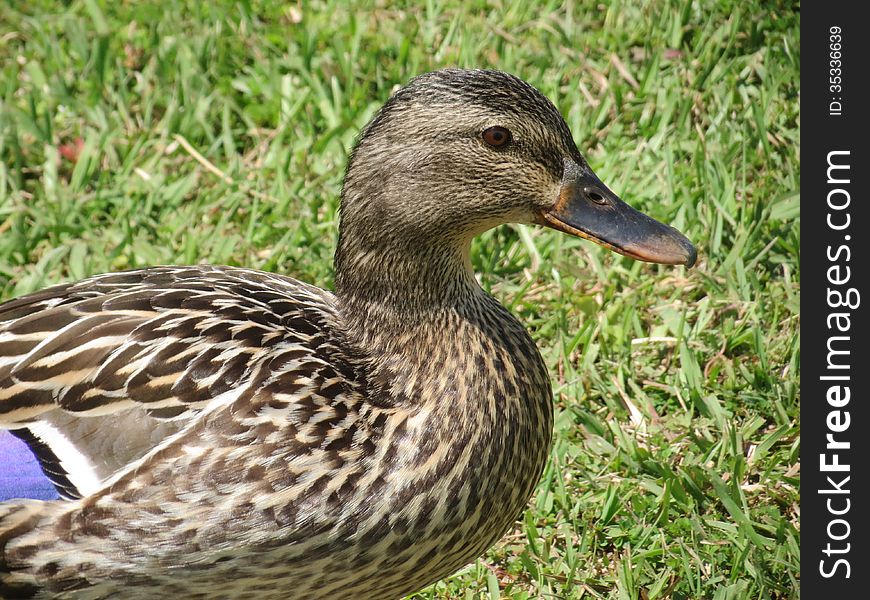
(399, 280)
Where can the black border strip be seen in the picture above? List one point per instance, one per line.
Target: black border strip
(834, 133)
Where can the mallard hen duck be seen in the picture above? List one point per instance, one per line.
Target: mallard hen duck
(221, 432)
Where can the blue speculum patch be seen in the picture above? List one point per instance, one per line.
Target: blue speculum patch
(20, 473)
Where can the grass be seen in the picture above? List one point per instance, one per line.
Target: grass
(147, 133)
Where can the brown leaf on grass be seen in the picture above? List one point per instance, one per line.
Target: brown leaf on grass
(71, 150)
(133, 57)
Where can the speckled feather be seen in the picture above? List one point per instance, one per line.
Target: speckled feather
(289, 470)
(247, 435)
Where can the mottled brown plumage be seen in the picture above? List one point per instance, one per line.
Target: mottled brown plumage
(226, 433)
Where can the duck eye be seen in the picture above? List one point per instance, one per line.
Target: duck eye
(497, 137)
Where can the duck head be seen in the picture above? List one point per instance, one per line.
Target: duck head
(457, 152)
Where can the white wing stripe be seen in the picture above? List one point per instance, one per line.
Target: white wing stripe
(80, 471)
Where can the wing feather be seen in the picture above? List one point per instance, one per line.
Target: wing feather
(153, 347)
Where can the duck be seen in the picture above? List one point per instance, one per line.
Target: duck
(222, 432)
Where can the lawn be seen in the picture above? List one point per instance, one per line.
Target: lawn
(172, 132)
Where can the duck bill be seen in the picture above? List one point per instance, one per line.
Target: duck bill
(589, 209)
